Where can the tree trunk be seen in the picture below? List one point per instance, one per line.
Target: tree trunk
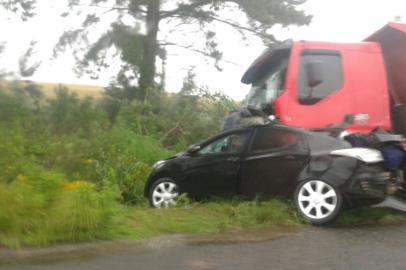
(150, 50)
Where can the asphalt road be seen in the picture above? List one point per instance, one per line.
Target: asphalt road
(312, 248)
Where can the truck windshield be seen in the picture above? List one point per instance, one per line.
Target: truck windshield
(266, 89)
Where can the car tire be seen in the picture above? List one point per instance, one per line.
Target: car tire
(318, 202)
(163, 193)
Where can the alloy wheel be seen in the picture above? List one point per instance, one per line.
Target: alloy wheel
(164, 194)
(317, 199)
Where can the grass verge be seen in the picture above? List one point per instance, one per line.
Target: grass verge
(226, 216)
(82, 215)
(48, 209)
(213, 217)
(371, 216)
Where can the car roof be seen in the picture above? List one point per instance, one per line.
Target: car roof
(317, 142)
(250, 128)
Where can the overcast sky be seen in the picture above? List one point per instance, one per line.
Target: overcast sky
(333, 20)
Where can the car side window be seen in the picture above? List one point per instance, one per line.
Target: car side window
(273, 138)
(233, 143)
(332, 76)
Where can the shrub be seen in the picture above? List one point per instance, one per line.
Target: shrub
(45, 208)
(124, 158)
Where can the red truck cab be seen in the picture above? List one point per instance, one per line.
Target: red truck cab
(316, 84)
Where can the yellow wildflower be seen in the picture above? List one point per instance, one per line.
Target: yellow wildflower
(78, 184)
(21, 178)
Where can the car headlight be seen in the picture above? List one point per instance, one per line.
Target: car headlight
(158, 164)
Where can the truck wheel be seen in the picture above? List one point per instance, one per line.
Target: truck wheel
(318, 202)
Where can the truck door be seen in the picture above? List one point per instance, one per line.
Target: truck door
(315, 106)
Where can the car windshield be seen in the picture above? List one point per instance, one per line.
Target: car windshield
(265, 90)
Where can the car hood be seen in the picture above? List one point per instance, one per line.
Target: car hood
(180, 154)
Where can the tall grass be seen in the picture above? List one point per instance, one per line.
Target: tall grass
(45, 208)
(69, 165)
(214, 217)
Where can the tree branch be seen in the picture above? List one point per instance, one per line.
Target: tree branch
(184, 7)
(235, 25)
(169, 132)
(109, 8)
(190, 47)
(241, 27)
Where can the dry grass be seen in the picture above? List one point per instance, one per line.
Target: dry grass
(95, 92)
(82, 91)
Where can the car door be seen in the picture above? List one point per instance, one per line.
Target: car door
(275, 158)
(213, 170)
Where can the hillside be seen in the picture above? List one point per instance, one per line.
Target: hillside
(82, 90)
(95, 92)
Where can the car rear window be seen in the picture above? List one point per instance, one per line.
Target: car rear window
(273, 138)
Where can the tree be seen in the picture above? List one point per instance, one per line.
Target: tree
(135, 31)
(25, 9)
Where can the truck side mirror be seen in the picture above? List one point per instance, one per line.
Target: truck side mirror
(314, 72)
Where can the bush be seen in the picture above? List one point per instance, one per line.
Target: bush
(75, 136)
(45, 208)
(47, 148)
(124, 158)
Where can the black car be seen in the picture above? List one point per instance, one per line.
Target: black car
(320, 172)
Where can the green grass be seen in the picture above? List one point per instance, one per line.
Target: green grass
(235, 216)
(47, 209)
(84, 215)
(213, 217)
(371, 216)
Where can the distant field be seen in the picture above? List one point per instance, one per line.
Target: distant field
(95, 92)
(82, 90)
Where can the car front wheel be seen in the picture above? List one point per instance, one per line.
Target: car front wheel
(318, 202)
(163, 193)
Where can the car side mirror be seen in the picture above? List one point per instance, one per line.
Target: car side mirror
(193, 148)
(314, 73)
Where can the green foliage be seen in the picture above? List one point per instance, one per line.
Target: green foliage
(66, 163)
(67, 168)
(368, 216)
(43, 207)
(214, 217)
(67, 114)
(177, 120)
(123, 157)
(79, 138)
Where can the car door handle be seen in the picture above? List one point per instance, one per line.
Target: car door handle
(290, 157)
(233, 159)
